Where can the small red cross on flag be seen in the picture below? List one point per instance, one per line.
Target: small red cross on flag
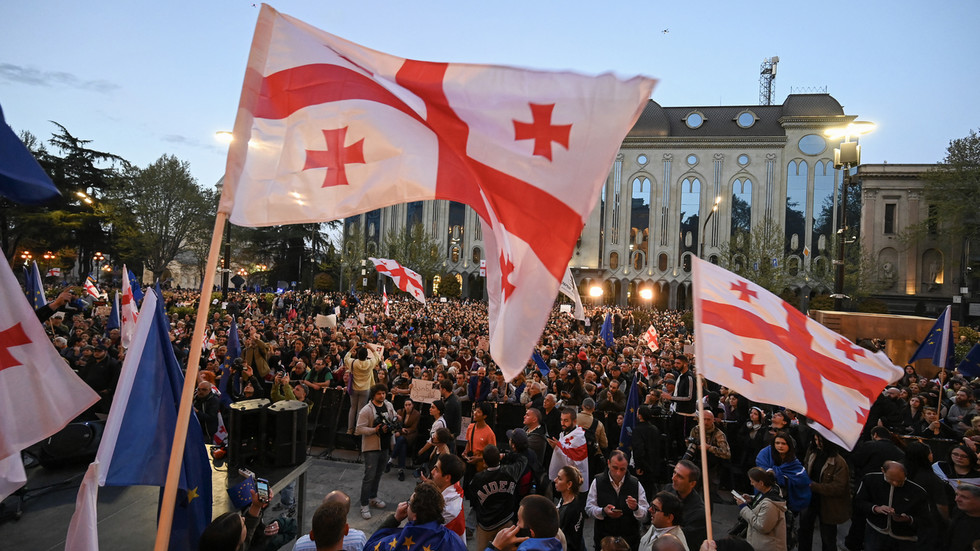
(751, 341)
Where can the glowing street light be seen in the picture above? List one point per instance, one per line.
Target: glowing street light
(704, 229)
(646, 293)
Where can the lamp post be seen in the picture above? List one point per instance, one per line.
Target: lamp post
(27, 257)
(98, 258)
(846, 157)
(704, 228)
(595, 292)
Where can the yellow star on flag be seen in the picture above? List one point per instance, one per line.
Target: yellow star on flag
(427, 548)
(394, 543)
(377, 547)
(409, 542)
(192, 495)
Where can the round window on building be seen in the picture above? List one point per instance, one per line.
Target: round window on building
(812, 144)
(745, 119)
(694, 119)
(642, 160)
(743, 159)
(692, 159)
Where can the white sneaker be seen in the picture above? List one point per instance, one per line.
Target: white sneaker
(378, 504)
(365, 512)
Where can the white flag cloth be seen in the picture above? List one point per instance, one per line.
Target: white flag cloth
(751, 341)
(384, 302)
(39, 393)
(405, 279)
(569, 289)
(328, 129)
(128, 312)
(653, 338)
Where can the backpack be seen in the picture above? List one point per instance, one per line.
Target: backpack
(597, 462)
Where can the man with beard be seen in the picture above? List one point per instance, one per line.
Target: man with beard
(962, 406)
(617, 502)
(570, 448)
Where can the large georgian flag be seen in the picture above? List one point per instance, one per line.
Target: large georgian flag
(39, 393)
(750, 340)
(406, 280)
(328, 129)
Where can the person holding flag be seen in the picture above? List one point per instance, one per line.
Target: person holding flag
(570, 448)
(92, 288)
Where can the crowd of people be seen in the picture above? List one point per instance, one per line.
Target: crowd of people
(911, 483)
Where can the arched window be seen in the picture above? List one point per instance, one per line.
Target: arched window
(477, 255)
(413, 214)
(796, 177)
(614, 260)
(640, 216)
(741, 209)
(823, 206)
(662, 262)
(690, 214)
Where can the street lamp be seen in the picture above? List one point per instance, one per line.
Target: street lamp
(98, 258)
(27, 256)
(595, 292)
(646, 293)
(704, 228)
(845, 158)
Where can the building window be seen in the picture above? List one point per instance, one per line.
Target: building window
(694, 119)
(745, 119)
(662, 262)
(477, 255)
(640, 215)
(741, 209)
(796, 183)
(890, 218)
(613, 260)
(822, 208)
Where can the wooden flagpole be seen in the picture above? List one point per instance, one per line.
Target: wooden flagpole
(187, 394)
(704, 458)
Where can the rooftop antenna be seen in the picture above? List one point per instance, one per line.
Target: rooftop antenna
(767, 78)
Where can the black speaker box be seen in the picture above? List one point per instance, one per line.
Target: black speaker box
(76, 443)
(245, 431)
(285, 429)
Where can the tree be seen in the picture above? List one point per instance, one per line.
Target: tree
(449, 285)
(351, 255)
(156, 209)
(751, 254)
(950, 190)
(415, 249)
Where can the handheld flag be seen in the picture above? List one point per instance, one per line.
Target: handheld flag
(39, 393)
(34, 286)
(629, 418)
(128, 313)
(53, 272)
(607, 331)
(539, 361)
(91, 288)
(135, 285)
(220, 435)
(384, 302)
(113, 321)
(338, 129)
(970, 366)
(405, 279)
(569, 289)
(938, 344)
(234, 351)
(751, 341)
(22, 180)
(138, 436)
(241, 493)
(653, 338)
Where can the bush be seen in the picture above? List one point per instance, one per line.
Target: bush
(872, 306)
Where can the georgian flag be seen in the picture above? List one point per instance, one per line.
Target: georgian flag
(220, 435)
(91, 288)
(328, 129)
(572, 449)
(128, 313)
(405, 279)
(453, 515)
(751, 341)
(53, 272)
(653, 338)
(384, 301)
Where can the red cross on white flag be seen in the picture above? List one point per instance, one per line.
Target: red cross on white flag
(328, 129)
(405, 279)
(750, 340)
(128, 312)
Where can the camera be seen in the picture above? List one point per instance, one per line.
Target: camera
(386, 425)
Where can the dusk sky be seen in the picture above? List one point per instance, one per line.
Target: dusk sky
(143, 79)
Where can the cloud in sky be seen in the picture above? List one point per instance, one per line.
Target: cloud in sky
(36, 77)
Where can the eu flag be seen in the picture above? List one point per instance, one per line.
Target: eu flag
(22, 180)
(113, 321)
(629, 418)
(539, 361)
(970, 366)
(430, 536)
(34, 286)
(147, 430)
(135, 286)
(938, 344)
(607, 332)
(234, 351)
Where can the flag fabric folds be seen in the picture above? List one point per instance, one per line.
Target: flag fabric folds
(539, 361)
(233, 350)
(39, 393)
(629, 418)
(751, 341)
(570, 290)
(22, 179)
(91, 287)
(128, 313)
(970, 366)
(938, 344)
(53, 272)
(405, 279)
(138, 437)
(34, 286)
(607, 331)
(416, 537)
(328, 129)
(113, 321)
(571, 449)
(652, 337)
(384, 302)
(135, 285)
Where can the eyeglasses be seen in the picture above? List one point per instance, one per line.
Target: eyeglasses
(958, 454)
(656, 509)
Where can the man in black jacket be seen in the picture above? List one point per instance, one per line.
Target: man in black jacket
(648, 455)
(618, 502)
(493, 494)
(892, 505)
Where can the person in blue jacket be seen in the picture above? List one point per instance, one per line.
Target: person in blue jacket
(536, 528)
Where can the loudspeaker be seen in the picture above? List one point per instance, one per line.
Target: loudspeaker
(245, 431)
(285, 429)
(76, 443)
(325, 416)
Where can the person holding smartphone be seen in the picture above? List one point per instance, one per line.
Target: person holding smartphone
(617, 502)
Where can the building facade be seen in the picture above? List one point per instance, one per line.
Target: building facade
(755, 162)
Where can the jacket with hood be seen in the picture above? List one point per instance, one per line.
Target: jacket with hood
(766, 516)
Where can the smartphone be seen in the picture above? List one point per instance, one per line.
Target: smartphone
(737, 496)
(617, 510)
(262, 488)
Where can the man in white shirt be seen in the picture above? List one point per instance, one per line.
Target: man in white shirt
(353, 541)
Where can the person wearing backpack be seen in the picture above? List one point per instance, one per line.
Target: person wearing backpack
(595, 436)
